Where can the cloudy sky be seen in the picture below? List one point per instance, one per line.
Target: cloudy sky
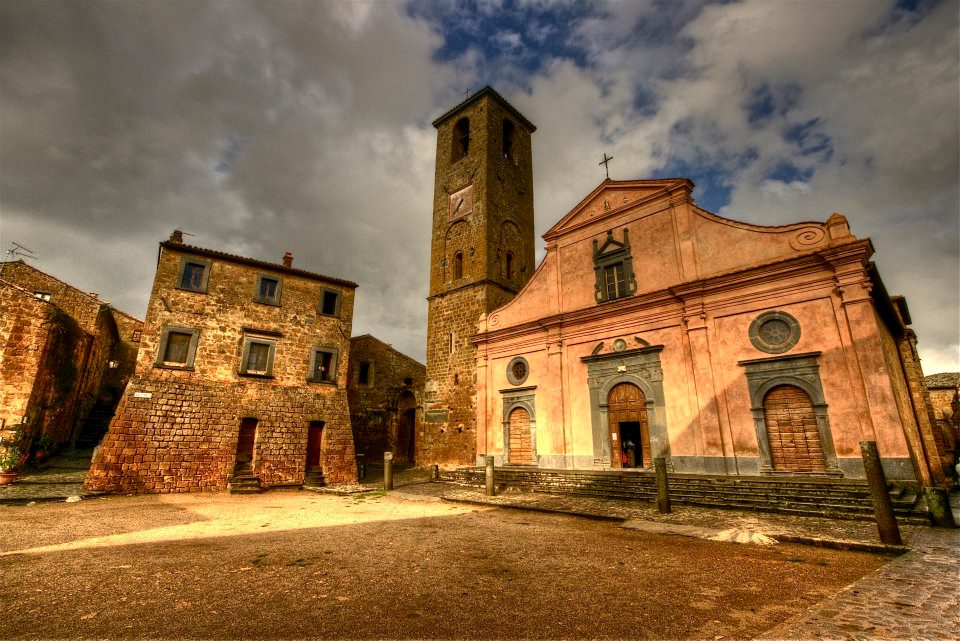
(265, 127)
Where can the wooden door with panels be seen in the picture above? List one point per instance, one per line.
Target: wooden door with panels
(629, 427)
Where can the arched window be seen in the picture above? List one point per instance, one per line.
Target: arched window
(461, 139)
(509, 266)
(458, 266)
(508, 139)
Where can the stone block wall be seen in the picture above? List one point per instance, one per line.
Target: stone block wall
(177, 427)
(43, 353)
(82, 306)
(181, 436)
(394, 386)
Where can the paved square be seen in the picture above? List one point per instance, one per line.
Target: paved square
(302, 565)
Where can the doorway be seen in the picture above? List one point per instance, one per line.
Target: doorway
(245, 442)
(315, 445)
(629, 427)
(405, 451)
(792, 431)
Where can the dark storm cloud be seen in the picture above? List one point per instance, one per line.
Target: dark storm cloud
(263, 127)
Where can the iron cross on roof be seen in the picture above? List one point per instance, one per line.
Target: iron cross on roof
(605, 162)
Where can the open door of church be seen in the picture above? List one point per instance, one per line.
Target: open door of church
(629, 428)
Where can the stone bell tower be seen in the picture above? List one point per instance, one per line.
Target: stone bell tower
(482, 254)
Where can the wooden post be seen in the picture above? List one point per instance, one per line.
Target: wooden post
(882, 505)
(938, 502)
(388, 471)
(663, 487)
(491, 489)
(435, 473)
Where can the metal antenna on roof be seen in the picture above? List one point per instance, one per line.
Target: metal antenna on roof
(17, 251)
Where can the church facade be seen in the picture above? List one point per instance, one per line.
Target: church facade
(654, 328)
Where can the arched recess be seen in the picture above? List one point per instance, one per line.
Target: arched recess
(456, 241)
(639, 367)
(511, 245)
(460, 143)
(801, 371)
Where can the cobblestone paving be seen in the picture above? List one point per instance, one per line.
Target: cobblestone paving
(915, 596)
(57, 480)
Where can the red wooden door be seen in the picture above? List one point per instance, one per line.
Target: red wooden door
(315, 444)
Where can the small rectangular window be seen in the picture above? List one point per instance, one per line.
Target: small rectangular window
(178, 346)
(135, 336)
(268, 290)
(615, 281)
(330, 302)
(363, 376)
(42, 295)
(194, 274)
(323, 365)
(257, 357)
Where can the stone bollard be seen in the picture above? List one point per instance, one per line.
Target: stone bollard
(882, 505)
(491, 489)
(388, 471)
(663, 487)
(361, 467)
(435, 473)
(938, 502)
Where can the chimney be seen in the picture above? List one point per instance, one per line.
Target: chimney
(176, 237)
(94, 294)
(288, 260)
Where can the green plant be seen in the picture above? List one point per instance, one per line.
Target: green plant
(44, 443)
(10, 458)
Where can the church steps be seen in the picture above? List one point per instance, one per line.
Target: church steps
(805, 497)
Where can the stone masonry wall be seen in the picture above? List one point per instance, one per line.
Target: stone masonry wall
(42, 353)
(177, 427)
(500, 223)
(183, 437)
(374, 411)
(79, 304)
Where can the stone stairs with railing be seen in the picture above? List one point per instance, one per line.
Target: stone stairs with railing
(807, 496)
(314, 477)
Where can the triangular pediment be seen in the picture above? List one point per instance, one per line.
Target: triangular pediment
(613, 196)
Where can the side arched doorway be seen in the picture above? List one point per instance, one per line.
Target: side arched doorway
(792, 431)
(405, 451)
(521, 443)
(629, 427)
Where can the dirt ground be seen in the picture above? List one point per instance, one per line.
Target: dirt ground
(295, 565)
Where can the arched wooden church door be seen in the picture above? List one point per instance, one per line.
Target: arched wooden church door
(792, 431)
(629, 427)
(521, 447)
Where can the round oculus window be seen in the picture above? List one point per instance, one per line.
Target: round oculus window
(518, 370)
(774, 332)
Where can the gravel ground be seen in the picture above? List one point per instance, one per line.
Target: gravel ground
(291, 565)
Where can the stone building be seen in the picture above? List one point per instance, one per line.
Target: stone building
(240, 379)
(654, 328)
(482, 255)
(65, 357)
(385, 390)
(944, 395)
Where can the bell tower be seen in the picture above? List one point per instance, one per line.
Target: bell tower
(482, 254)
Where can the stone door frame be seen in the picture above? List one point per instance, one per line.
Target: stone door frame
(639, 367)
(798, 370)
(522, 397)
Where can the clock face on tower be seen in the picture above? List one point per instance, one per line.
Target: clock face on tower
(461, 203)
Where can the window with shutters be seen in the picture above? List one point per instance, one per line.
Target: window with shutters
(613, 268)
(177, 348)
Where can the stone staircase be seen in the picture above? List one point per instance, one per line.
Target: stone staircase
(314, 477)
(808, 496)
(243, 480)
(94, 425)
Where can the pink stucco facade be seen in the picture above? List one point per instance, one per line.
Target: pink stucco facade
(684, 331)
